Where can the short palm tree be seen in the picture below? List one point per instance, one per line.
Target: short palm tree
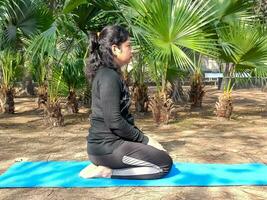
(230, 12)
(10, 67)
(196, 92)
(244, 48)
(20, 20)
(139, 88)
(232, 18)
(38, 68)
(49, 49)
(58, 45)
(74, 80)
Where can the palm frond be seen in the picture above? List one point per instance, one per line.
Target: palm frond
(245, 45)
(38, 68)
(73, 74)
(22, 19)
(10, 63)
(173, 26)
(232, 11)
(70, 5)
(44, 43)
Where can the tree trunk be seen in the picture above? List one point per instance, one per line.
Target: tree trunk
(53, 115)
(155, 105)
(177, 92)
(42, 95)
(72, 103)
(126, 76)
(226, 75)
(224, 107)
(196, 92)
(162, 107)
(140, 97)
(29, 87)
(87, 97)
(164, 82)
(7, 100)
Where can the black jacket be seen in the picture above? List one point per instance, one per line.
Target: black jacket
(111, 122)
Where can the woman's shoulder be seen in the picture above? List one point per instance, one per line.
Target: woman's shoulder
(108, 70)
(108, 74)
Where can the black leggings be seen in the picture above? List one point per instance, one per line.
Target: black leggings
(133, 160)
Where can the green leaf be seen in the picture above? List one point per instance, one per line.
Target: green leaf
(232, 11)
(20, 20)
(244, 44)
(70, 5)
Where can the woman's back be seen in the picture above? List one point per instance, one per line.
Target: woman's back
(101, 140)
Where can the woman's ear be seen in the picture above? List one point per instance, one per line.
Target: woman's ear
(115, 50)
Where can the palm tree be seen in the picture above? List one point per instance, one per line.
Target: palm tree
(139, 88)
(230, 12)
(38, 68)
(58, 44)
(232, 15)
(52, 47)
(244, 48)
(264, 9)
(20, 20)
(74, 80)
(89, 15)
(196, 92)
(168, 30)
(10, 67)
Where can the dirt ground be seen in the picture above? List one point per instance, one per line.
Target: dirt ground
(196, 136)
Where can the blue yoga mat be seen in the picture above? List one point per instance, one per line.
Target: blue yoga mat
(65, 174)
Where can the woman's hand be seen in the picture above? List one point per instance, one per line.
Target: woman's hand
(152, 142)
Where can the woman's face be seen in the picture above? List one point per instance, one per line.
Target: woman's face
(123, 54)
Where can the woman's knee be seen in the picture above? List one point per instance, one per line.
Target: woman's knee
(166, 164)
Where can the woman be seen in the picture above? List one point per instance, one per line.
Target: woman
(116, 147)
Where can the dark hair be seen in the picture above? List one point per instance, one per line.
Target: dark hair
(101, 52)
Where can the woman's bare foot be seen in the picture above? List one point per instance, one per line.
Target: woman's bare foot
(87, 170)
(93, 171)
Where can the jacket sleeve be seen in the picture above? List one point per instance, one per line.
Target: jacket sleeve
(110, 91)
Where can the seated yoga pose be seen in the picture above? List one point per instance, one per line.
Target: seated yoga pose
(115, 146)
